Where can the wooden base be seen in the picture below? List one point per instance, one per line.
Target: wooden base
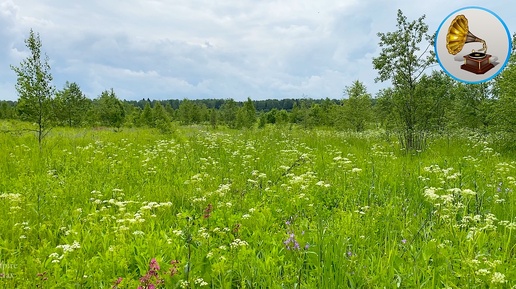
(475, 70)
(477, 65)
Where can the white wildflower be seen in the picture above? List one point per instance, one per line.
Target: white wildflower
(200, 282)
(238, 243)
(498, 278)
(482, 272)
(468, 192)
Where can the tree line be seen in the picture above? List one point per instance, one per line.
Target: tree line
(418, 102)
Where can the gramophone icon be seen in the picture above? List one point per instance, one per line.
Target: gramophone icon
(477, 62)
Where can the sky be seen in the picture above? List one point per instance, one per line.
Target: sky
(197, 49)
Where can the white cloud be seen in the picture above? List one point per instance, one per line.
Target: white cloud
(212, 49)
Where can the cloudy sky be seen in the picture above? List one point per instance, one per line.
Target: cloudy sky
(194, 49)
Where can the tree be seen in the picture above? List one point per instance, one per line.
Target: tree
(357, 107)
(229, 112)
(110, 109)
(471, 106)
(213, 118)
(71, 105)
(246, 116)
(161, 118)
(7, 109)
(34, 88)
(505, 90)
(402, 61)
(147, 118)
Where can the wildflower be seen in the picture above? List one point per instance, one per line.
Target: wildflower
(173, 270)
(291, 242)
(483, 272)
(207, 211)
(154, 265)
(404, 241)
(200, 282)
(117, 282)
(498, 278)
(468, 192)
(430, 194)
(511, 226)
(54, 256)
(238, 243)
(184, 284)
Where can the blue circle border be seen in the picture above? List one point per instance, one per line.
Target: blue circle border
(508, 52)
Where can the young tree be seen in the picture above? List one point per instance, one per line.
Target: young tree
(71, 105)
(357, 107)
(229, 112)
(147, 117)
(161, 118)
(402, 61)
(247, 114)
(34, 88)
(213, 118)
(110, 109)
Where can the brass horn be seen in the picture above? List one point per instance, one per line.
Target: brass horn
(458, 35)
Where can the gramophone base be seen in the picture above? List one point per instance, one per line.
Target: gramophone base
(477, 65)
(476, 70)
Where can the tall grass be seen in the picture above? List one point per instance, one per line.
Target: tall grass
(270, 208)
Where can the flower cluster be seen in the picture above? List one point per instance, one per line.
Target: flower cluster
(291, 243)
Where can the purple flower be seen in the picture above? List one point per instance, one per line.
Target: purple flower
(350, 253)
(291, 242)
(307, 246)
(404, 241)
(154, 265)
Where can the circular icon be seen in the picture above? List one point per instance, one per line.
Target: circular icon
(472, 45)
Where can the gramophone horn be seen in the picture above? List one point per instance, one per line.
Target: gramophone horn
(458, 35)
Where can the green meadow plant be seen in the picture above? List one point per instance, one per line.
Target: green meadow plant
(269, 208)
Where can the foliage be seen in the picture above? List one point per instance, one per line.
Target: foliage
(161, 118)
(146, 117)
(357, 108)
(246, 115)
(71, 105)
(402, 62)
(110, 109)
(34, 87)
(229, 112)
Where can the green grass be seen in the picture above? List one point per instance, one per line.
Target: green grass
(271, 208)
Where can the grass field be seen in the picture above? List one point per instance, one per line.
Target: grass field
(271, 208)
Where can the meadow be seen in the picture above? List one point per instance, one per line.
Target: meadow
(279, 207)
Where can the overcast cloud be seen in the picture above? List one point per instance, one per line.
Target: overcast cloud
(212, 49)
